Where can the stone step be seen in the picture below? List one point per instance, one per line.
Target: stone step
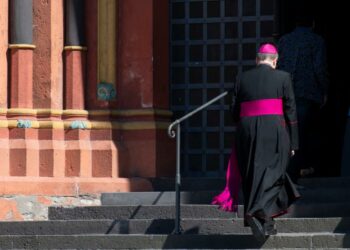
(198, 184)
(309, 210)
(188, 184)
(184, 241)
(325, 195)
(309, 195)
(166, 226)
(330, 182)
(154, 198)
(138, 212)
(299, 210)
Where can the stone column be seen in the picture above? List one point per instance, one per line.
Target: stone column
(21, 54)
(75, 54)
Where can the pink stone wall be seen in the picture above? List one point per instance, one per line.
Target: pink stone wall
(48, 38)
(135, 54)
(40, 163)
(3, 52)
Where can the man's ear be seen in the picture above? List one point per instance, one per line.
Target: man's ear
(275, 62)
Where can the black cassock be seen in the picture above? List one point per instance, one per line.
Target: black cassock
(264, 142)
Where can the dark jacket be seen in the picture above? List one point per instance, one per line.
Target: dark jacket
(302, 53)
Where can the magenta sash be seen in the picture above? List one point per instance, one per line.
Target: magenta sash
(228, 198)
(262, 107)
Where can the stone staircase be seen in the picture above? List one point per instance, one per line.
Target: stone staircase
(145, 220)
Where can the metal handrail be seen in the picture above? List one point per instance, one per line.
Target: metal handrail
(172, 134)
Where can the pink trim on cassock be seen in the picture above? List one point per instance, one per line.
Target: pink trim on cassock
(228, 199)
(262, 107)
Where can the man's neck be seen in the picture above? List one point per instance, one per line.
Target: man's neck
(267, 63)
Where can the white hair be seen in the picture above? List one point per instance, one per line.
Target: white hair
(267, 56)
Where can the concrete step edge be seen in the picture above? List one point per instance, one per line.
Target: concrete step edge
(164, 226)
(312, 240)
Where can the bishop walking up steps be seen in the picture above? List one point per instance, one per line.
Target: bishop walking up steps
(263, 104)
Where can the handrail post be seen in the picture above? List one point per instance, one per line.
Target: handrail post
(178, 181)
(173, 134)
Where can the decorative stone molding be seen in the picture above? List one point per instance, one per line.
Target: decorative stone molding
(106, 91)
(22, 46)
(78, 48)
(70, 113)
(24, 124)
(78, 125)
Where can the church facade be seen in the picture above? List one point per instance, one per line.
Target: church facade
(84, 104)
(88, 89)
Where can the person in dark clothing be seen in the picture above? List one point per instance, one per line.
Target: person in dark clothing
(303, 55)
(267, 135)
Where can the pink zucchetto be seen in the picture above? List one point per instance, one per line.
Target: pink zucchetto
(268, 48)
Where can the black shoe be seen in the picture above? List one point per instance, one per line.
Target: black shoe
(257, 228)
(270, 227)
(271, 232)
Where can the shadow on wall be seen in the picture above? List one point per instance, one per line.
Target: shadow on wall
(343, 228)
(345, 167)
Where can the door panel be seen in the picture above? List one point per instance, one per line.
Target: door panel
(211, 42)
